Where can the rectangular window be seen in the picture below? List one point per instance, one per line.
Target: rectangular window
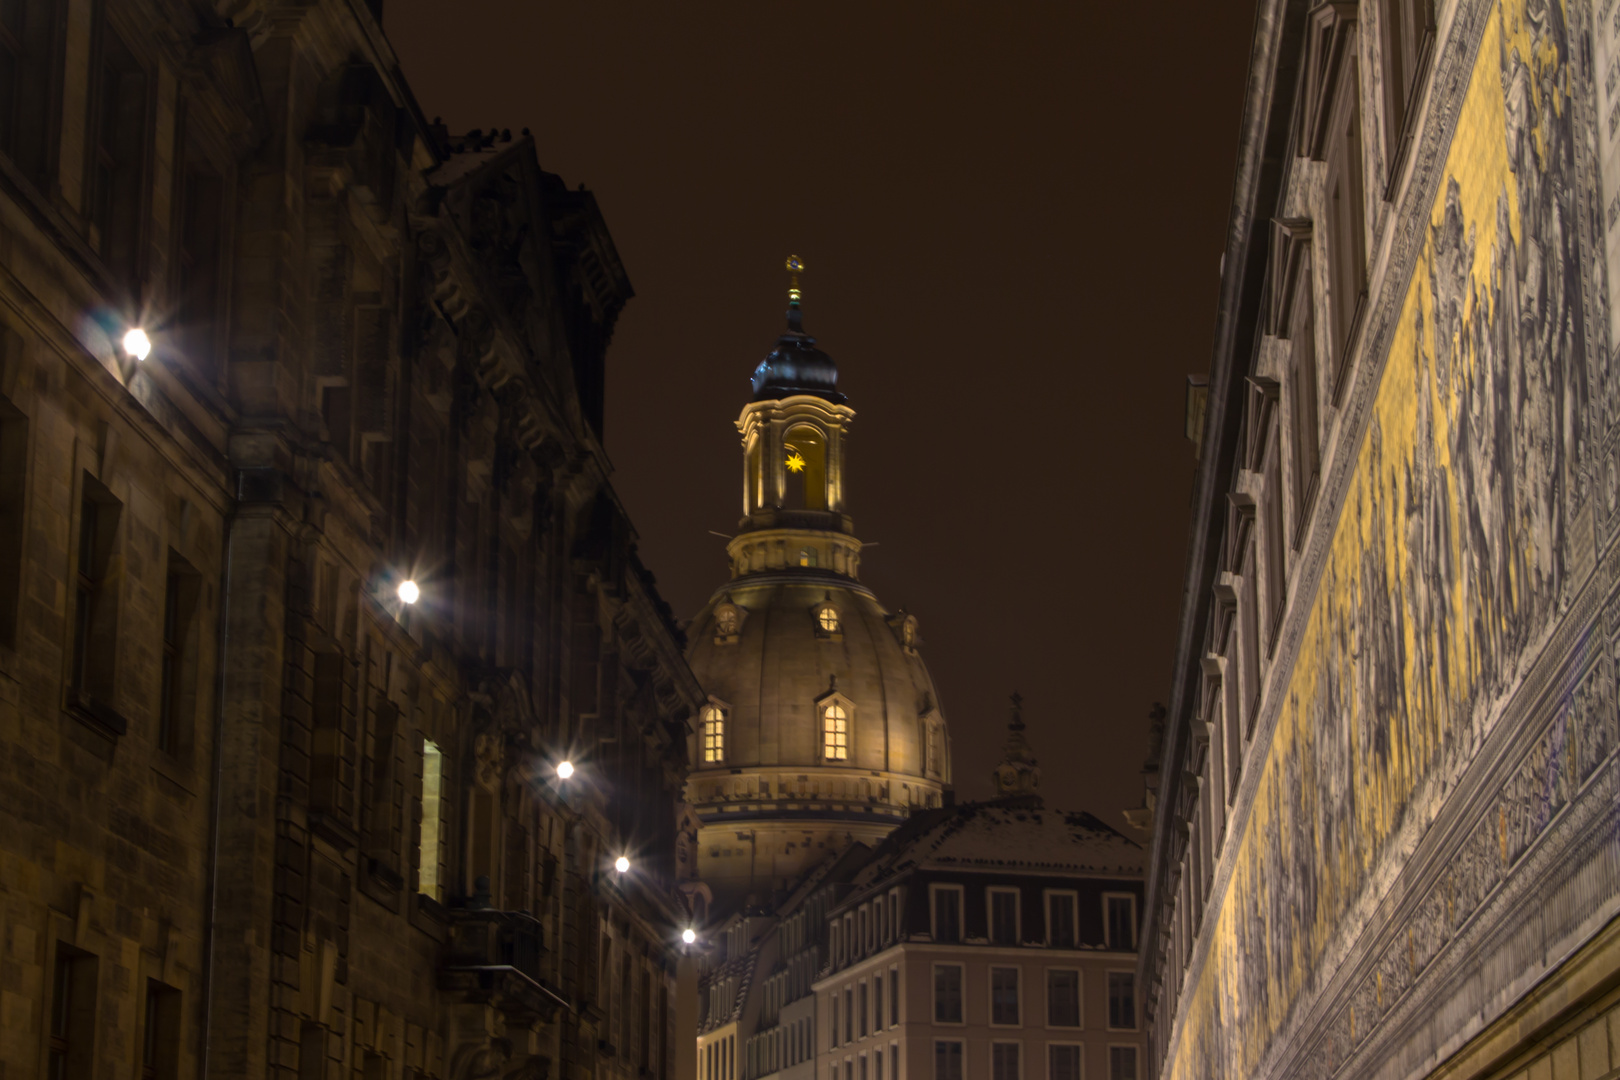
(1004, 1061)
(894, 997)
(1122, 1000)
(118, 158)
(384, 819)
(1405, 27)
(1063, 1061)
(835, 733)
(1122, 1063)
(947, 913)
(1250, 616)
(177, 683)
(70, 1046)
(1347, 244)
(1276, 557)
(947, 993)
(1062, 920)
(832, 1020)
(714, 735)
(861, 1072)
(1004, 995)
(160, 1033)
(877, 1065)
(30, 85)
(95, 615)
(947, 1059)
(1303, 398)
(894, 1061)
(1004, 916)
(849, 1015)
(1063, 998)
(877, 1002)
(1120, 921)
(861, 1008)
(13, 469)
(197, 262)
(427, 853)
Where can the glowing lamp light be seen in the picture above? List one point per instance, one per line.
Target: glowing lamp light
(137, 344)
(408, 591)
(689, 935)
(565, 769)
(621, 864)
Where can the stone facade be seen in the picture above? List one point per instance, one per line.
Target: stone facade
(1385, 813)
(263, 817)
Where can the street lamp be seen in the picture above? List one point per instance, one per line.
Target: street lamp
(565, 769)
(688, 935)
(409, 592)
(137, 344)
(621, 864)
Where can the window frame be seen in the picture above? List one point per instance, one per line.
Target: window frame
(1018, 994)
(961, 1058)
(1018, 1050)
(990, 894)
(1073, 896)
(1136, 932)
(712, 728)
(1080, 1056)
(1134, 1049)
(961, 992)
(1079, 998)
(934, 891)
(107, 35)
(1135, 1003)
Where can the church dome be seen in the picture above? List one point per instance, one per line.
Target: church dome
(822, 725)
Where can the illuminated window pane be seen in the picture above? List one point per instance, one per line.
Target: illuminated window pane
(807, 557)
(828, 619)
(835, 733)
(714, 734)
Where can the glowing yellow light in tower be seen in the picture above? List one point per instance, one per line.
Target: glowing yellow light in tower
(795, 463)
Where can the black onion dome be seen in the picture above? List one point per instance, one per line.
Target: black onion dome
(796, 366)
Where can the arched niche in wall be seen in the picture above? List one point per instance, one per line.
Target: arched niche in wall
(804, 467)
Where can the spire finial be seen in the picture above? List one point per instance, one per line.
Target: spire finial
(1018, 773)
(795, 267)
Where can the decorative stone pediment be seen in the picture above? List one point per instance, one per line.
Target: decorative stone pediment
(1290, 253)
(1331, 43)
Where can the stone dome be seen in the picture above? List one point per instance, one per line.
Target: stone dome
(777, 668)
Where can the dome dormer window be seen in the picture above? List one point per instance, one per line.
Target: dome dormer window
(829, 626)
(827, 619)
(834, 732)
(713, 734)
(807, 556)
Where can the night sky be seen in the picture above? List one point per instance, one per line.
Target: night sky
(1012, 218)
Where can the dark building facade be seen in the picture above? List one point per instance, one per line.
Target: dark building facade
(261, 815)
(1385, 808)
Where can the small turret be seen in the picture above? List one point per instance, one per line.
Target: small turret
(1019, 774)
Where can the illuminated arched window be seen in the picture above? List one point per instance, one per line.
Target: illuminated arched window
(827, 618)
(714, 735)
(834, 733)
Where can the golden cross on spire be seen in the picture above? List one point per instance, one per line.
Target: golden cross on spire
(795, 267)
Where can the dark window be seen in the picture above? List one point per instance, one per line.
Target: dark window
(13, 470)
(1003, 917)
(118, 158)
(1064, 1062)
(160, 1035)
(1122, 1000)
(1060, 921)
(30, 83)
(384, 818)
(947, 1059)
(947, 914)
(95, 603)
(832, 1021)
(197, 263)
(1276, 564)
(1004, 995)
(1004, 1061)
(1405, 26)
(70, 1045)
(894, 997)
(947, 993)
(877, 1064)
(1250, 616)
(1121, 911)
(178, 675)
(1122, 1063)
(1063, 999)
(849, 1015)
(1347, 245)
(861, 1010)
(894, 1062)
(877, 1002)
(1303, 399)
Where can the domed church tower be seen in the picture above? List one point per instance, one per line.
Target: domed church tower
(822, 725)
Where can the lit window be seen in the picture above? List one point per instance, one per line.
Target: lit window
(835, 732)
(714, 734)
(828, 618)
(807, 557)
(427, 855)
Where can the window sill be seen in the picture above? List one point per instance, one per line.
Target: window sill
(382, 883)
(97, 715)
(430, 917)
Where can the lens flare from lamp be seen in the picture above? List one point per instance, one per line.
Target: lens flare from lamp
(689, 935)
(621, 864)
(565, 769)
(408, 591)
(137, 344)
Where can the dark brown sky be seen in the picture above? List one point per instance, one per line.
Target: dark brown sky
(1012, 217)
